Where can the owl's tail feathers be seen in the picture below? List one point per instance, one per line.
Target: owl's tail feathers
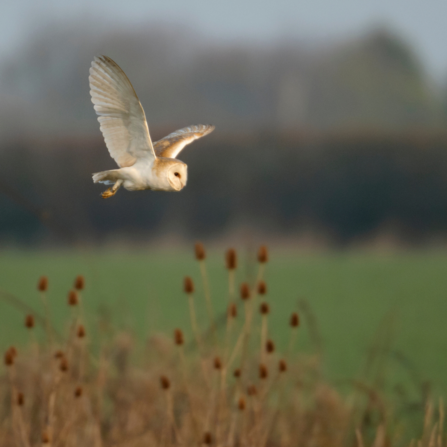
(106, 177)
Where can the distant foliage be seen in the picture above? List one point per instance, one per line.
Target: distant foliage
(344, 187)
(182, 78)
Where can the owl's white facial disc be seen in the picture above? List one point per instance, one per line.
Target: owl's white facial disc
(178, 176)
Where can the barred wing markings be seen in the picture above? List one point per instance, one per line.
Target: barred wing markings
(121, 115)
(171, 145)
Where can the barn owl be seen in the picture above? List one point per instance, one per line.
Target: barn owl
(143, 165)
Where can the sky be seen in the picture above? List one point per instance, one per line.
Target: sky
(421, 22)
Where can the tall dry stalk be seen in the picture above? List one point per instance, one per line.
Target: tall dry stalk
(294, 324)
(42, 287)
(201, 256)
(231, 265)
(188, 288)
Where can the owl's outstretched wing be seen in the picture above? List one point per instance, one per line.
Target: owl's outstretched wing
(171, 145)
(121, 115)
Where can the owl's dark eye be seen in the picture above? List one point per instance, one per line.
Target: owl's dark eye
(177, 174)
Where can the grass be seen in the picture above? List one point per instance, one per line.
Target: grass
(125, 380)
(355, 297)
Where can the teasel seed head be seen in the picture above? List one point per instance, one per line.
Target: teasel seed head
(263, 372)
(264, 308)
(263, 255)
(237, 373)
(262, 288)
(282, 366)
(207, 438)
(245, 291)
(241, 404)
(231, 259)
(178, 337)
(79, 283)
(232, 310)
(199, 251)
(81, 331)
(188, 285)
(59, 354)
(294, 320)
(42, 285)
(78, 391)
(73, 299)
(29, 321)
(165, 383)
(20, 399)
(217, 363)
(251, 390)
(10, 356)
(46, 438)
(63, 365)
(270, 346)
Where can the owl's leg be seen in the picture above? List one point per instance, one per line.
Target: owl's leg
(112, 191)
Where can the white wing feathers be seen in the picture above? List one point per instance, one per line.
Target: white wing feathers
(171, 145)
(121, 116)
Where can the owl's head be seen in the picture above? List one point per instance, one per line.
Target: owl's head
(177, 175)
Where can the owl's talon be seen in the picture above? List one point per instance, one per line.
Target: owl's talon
(108, 193)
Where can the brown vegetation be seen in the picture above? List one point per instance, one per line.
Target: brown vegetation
(215, 390)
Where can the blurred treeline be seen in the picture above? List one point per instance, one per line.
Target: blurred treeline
(342, 140)
(339, 187)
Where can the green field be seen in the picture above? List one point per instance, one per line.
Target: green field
(352, 295)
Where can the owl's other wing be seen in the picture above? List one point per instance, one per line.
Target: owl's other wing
(171, 145)
(121, 115)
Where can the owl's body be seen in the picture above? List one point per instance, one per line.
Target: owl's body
(143, 165)
(161, 174)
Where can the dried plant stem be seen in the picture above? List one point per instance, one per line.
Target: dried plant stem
(264, 323)
(188, 393)
(16, 412)
(170, 415)
(11, 377)
(432, 441)
(276, 411)
(229, 324)
(212, 406)
(261, 271)
(194, 325)
(22, 428)
(267, 388)
(236, 348)
(80, 306)
(82, 351)
(292, 339)
(228, 330)
(427, 422)
(358, 435)
(100, 382)
(207, 293)
(244, 429)
(62, 435)
(43, 298)
(231, 287)
(231, 432)
(51, 408)
(221, 403)
(249, 310)
(441, 421)
(70, 341)
(34, 344)
(245, 331)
